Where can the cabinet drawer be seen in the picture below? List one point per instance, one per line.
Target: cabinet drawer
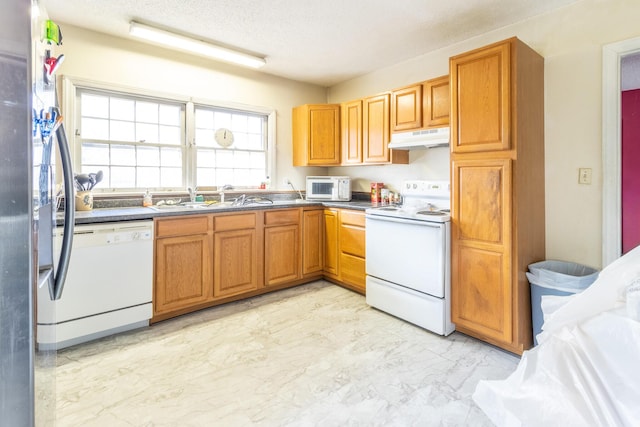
(352, 270)
(352, 217)
(234, 222)
(289, 216)
(181, 226)
(352, 240)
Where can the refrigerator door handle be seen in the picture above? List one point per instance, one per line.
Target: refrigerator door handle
(69, 214)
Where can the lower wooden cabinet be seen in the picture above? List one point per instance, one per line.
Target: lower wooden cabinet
(312, 242)
(331, 257)
(204, 260)
(352, 249)
(182, 264)
(281, 246)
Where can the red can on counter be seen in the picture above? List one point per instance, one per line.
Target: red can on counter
(376, 196)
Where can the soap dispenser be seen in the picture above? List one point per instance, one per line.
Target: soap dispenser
(146, 199)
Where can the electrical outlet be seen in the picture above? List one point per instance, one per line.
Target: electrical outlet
(286, 181)
(584, 176)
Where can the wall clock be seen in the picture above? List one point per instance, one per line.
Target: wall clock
(224, 137)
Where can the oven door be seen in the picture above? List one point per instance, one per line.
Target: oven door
(409, 253)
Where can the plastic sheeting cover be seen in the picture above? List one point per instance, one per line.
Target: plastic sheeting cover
(585, 370)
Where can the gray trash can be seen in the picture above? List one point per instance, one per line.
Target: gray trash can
(555, 278)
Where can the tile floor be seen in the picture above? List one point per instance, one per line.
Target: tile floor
(314, 355)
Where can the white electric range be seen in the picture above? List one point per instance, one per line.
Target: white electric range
(408, 256)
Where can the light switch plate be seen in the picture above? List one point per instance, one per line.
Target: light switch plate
(584, 176)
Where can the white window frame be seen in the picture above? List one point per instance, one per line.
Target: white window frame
(70, 86)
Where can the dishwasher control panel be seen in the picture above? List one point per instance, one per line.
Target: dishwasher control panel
(128, 236)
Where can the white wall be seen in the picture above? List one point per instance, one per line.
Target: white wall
(106, 59)
(571, 41)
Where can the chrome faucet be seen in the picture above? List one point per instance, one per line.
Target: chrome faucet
(239, 201)
(192, 193)
(222, 190)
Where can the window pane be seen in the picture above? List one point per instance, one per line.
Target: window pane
(255, 142)
(148, 156)
(146, 112)
(170, 135)
(148, 177)
(122, 131)
(258, 160)
(123, 155)
(239, 123)
(204, 119)
(121, 109)
(222, 120)
(206, 158)
(171, 157)
(224, 158)
(205, 138)
(240, 140)
(224, 176)
(243, 177)
(171, 177)
(241, 159)
(146, 132)
(123, 177)
(94, 129)
(170, 115)
(206, 177)
(95, 105)
(254, 125)
(95, 153)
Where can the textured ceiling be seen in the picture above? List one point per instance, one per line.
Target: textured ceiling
(318, 41)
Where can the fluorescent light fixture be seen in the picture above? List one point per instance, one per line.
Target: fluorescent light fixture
(175, 41)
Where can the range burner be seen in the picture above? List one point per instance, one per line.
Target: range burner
(422, 201)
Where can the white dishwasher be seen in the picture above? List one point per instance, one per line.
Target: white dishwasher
(108, 289)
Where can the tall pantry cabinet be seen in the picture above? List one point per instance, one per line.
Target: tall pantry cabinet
(497, 174)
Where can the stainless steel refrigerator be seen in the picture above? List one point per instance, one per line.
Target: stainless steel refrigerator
(30, 134)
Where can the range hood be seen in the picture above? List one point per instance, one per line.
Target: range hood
(430, 138)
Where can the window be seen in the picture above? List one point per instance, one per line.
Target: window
(141, 142)
(245, 164)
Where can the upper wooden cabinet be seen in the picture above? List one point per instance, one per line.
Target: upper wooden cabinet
(481, 99)
(406, 108)
(497, 189)
(316, 135)
(352, 132)
(376, 132)
(436, 101)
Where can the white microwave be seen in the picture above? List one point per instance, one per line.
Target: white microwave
(329, 188)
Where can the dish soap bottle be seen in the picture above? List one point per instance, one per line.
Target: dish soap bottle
(146, 199)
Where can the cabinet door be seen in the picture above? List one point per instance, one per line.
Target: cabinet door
(352, 132)
(480, 99)
(331, 242)
(481, 288)
(406, 108)
(182, 272)
(437, 102)
(352, 249)
(312, 242)
(235, 262)
(282, 254)
(316, 135)
(375, 134)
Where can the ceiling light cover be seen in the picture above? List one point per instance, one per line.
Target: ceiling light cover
(178, 42)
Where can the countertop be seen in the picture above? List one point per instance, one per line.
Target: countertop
(118, 214)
